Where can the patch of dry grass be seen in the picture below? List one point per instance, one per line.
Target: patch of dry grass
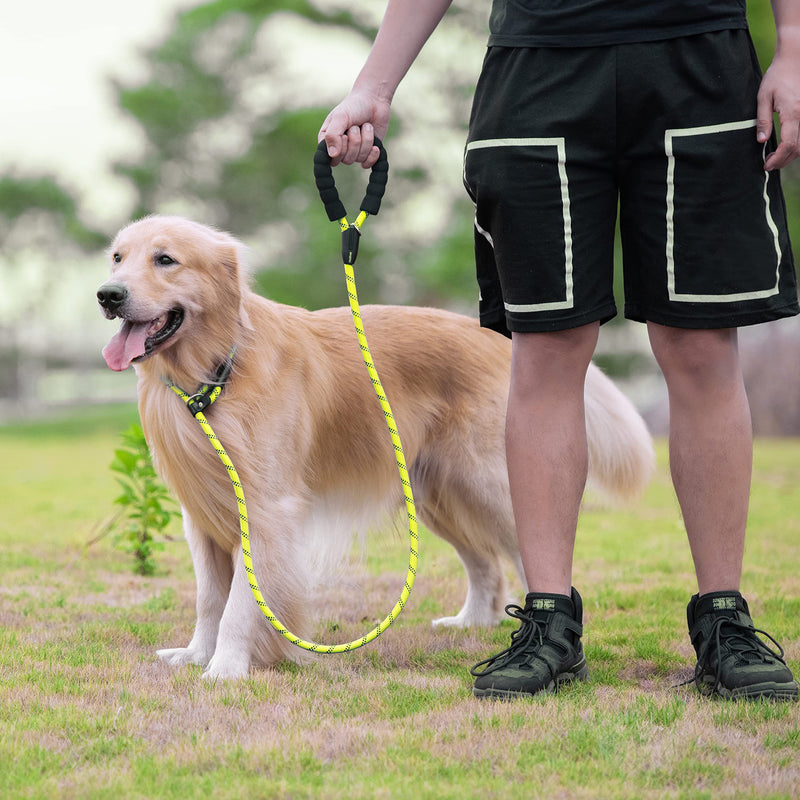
(87, 711)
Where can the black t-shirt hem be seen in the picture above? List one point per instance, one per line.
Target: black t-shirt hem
(608, 38)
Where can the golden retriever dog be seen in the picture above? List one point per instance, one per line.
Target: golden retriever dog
(300, 421)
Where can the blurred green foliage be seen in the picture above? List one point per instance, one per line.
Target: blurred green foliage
(23, 196)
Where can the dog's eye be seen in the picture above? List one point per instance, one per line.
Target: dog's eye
(116, 258)
(165, 261)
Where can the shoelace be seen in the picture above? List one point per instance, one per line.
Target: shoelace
(520, 639)
(739, 644)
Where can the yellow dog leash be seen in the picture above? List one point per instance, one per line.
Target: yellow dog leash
(208, 393)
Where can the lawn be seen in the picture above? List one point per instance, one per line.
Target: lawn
(88, 711)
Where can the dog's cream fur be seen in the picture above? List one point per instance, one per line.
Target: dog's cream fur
(302, 425)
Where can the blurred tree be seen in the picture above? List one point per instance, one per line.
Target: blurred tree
(39, 208)
(230, 120)
(40, 228)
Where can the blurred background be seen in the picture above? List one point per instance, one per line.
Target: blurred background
(211, 110)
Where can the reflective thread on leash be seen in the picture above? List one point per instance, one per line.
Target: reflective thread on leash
(198, 402)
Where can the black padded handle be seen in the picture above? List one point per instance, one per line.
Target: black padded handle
(326, 186)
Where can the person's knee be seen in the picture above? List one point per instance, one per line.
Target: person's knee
(696, 358)
(559, 357)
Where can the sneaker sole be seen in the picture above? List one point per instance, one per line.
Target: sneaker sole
(786, 692)
(581, 674)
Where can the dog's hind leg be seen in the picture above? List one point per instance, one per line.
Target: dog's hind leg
(213, 571)
(487, 591)
(465, 500)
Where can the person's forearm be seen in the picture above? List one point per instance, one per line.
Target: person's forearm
(406, 26)
(787, 24)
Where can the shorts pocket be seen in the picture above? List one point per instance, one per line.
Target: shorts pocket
(722, 242)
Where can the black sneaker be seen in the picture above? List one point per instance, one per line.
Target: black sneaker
(732, 661)
(545, 651)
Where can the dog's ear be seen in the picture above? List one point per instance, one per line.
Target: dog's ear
(231, 258)
(228, 259)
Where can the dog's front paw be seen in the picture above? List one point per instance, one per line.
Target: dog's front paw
(226, 668)
(179, 656)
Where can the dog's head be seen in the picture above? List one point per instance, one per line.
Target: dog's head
(177, 286)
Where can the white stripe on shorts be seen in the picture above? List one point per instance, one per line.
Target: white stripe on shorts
(559, 143)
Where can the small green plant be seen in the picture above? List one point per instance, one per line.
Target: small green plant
(146, 505)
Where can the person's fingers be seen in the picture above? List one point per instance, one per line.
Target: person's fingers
(372, 158)
(779, 94)
(788, 149)
(367, 143)
(764, 115)
(335, 132)
(354, 139)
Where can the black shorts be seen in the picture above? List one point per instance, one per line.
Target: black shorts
(561, 138)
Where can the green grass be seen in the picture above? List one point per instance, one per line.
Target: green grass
(87, 711)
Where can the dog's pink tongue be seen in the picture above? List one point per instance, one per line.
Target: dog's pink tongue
(128, 344)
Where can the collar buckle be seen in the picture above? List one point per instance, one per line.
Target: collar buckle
(198, 402)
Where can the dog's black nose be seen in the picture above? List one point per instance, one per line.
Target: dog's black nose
(112, 296)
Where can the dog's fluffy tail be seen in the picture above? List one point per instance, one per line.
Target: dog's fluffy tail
(621, 455)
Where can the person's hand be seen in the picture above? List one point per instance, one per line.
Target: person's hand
(780, 93)
(350, 129)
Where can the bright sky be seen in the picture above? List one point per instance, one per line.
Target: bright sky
(58, 111)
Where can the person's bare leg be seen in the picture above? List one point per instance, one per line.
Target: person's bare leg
(546, 449)
(710, 445)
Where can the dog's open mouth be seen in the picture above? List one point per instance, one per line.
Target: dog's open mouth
(137, 341)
